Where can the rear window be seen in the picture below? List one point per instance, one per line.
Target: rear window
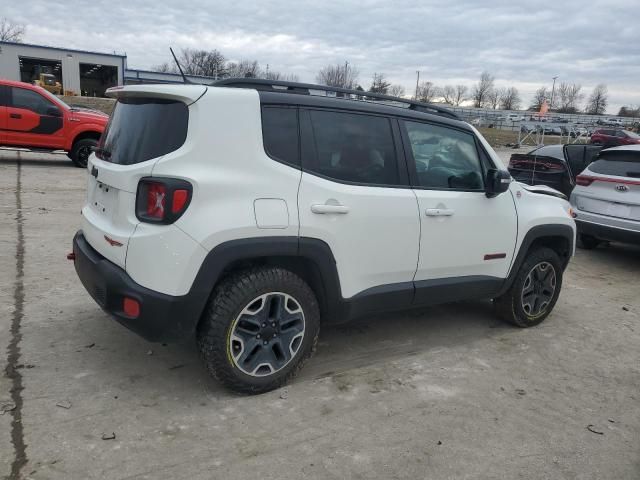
(143, 128)
(620, 163)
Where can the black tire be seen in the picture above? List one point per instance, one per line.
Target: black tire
(516, 308)
(217, 340)
(588, 242)
(81, 150)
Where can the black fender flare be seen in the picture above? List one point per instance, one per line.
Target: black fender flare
(226, 254)
(538, 233)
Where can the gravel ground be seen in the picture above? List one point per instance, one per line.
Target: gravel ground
(442, 393)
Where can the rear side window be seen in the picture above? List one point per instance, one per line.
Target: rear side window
(621, 164)
(144, 128)
(353, 148)
(280, 134)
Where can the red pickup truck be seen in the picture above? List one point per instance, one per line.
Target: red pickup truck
(31, 117)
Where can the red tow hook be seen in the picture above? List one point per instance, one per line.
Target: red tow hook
(71, 256)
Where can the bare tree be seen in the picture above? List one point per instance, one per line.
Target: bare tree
(482, 90)
(10, 31)
(448, 94)
(629, 111)
(164, 68)
(379, 84)
(343, 76)
(493, 97)
(597, 103)
(243, 69)
(209, 63)
(396, 91)
(510, 99)
(569, 96)
(541, 96)
(275, 75)
(460, 94)
(427, 92)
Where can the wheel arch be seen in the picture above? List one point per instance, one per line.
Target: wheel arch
(311, 259)
(560, 238)
(93, 134)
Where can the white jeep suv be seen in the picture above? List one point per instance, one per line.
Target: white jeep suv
(246, 213)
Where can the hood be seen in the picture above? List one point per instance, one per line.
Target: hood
(90, 116)
(542, 190)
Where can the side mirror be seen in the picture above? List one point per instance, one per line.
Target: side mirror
(54, 111)
(497, 182)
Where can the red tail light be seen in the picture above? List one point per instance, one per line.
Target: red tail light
(156, 199)
(131, 307)
(162, 200)
(584, 181)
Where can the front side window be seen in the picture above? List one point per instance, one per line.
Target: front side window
(280, 134)
(29, 100)
(445, 158)
(353, 148)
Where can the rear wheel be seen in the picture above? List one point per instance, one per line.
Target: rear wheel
(534, 291)
(259, 327)
(588, 242)
(81, 150)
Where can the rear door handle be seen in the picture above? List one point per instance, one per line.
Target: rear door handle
(439, 212)
(324, 208)
(15, 115)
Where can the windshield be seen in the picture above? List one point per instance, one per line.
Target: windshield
(631, 134)
(143, 128)
(47, 93)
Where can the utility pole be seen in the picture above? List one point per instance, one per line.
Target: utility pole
(553, 91)
(346, 69)
(417, 81)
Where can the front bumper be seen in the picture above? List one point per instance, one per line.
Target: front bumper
(162, 318)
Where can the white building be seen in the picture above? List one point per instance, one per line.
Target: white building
(80, 72)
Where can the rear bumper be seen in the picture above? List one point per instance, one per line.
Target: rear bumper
(607, 232)
(162, 318)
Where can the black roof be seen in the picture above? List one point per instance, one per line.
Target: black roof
(303, 94)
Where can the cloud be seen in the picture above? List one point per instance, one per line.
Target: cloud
(520, 42)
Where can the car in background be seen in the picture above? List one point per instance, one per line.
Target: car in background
(515, 117)
(551, 130)
(606, 199)
(555, 166)
(613, 137)
(32, 117)
(615, 122)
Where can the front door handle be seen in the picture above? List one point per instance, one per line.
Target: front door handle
(328, 208)
(439, 212)
(15, 115)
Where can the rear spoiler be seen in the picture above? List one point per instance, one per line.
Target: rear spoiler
(185, 93)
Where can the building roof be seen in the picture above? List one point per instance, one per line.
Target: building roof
(60, 49)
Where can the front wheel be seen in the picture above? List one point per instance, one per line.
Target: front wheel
(534, 291)
(259, 327)
(81, 150)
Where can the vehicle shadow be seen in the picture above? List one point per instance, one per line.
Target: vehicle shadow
(618, 255)
(362, 343)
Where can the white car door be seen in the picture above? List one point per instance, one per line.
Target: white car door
(354, 195)
(467, 240)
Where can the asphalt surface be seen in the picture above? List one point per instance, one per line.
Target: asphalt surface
(443, 393)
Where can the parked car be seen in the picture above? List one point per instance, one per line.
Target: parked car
(555, 166)
(244, 216)
(611, 137)
(515, 117)
(615, 122)
(551, 130)
(31, 117)
(606, 200)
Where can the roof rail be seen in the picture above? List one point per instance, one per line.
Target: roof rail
(349, 94)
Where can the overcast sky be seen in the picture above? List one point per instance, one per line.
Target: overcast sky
(522, 43)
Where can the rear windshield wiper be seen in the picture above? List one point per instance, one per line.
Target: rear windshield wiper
(102, 152)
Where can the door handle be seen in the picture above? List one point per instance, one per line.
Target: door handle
(439, 212)
(15, 115)
(328, 208)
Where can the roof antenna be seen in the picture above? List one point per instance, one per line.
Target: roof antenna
(184, 77)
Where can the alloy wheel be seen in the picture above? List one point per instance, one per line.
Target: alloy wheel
(538, 289)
